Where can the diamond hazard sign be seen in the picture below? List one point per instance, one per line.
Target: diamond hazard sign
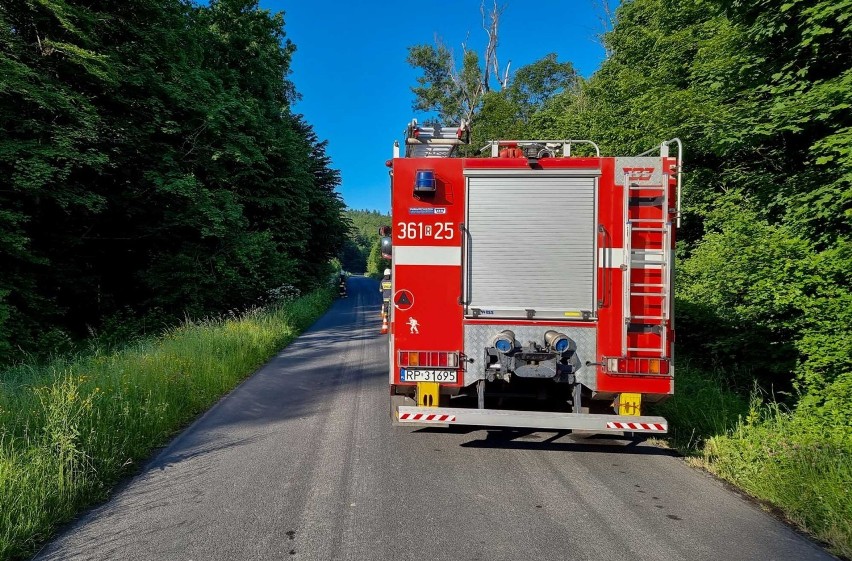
(403, 300)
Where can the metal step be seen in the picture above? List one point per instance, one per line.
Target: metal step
(647, 265)
(632, 221)
(650, 186)
(648, 257)
(646, 229)
(645, 350)
(646, 262)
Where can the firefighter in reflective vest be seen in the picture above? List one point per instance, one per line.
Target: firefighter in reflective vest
(385, 289)
(341, 287)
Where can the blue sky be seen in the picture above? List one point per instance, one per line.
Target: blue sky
(350, 67)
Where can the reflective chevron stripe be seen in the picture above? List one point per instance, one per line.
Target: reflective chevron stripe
(425, 417)
(637, 426)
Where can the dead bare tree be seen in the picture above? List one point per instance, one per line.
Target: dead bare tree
(491, 25)
(605, 12)
(456, 91)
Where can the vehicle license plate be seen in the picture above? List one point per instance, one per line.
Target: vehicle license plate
(415, 375)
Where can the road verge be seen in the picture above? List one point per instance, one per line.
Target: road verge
(797, 461)
(71, 429)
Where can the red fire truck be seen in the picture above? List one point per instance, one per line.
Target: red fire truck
(531, 287)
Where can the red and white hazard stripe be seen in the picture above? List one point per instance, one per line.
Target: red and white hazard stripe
(637, 426)
(427, 417)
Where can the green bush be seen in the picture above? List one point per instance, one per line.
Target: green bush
(741, 294)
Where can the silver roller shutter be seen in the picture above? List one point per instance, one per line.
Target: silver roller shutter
(531, 245)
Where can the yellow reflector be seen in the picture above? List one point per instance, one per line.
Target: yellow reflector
(427, 394)
(630, 404)
(414, 359)
(572, 314)
(654, 366)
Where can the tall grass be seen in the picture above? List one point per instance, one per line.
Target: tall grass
(70, 430)
(702, 407)
(799, 461)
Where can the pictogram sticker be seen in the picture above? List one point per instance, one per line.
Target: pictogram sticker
(403, 300)
(413, 326)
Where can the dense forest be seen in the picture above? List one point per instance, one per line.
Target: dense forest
(760, 91)
(152, 167)
(362, 252)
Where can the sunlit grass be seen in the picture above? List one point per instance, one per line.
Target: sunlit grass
(800, 461)
(70, 429)
(794, 462)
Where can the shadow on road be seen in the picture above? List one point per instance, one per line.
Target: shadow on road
(529, 439)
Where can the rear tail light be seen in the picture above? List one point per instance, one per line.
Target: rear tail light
(654, 366)
(433, 359)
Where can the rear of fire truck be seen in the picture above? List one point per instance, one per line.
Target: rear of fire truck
(531, 287)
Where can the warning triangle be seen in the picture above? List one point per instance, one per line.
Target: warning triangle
(403, 299)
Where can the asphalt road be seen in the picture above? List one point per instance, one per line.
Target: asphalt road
(301, 462)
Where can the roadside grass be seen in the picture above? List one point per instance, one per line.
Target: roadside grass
(797, 461)
(69, 430)
(778, 457)
(701, 407)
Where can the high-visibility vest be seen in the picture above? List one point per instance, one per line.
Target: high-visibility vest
(386, 289)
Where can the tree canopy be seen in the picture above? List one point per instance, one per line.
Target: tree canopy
(152, 164)
(362, 251)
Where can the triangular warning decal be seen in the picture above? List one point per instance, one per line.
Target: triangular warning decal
(403, 300)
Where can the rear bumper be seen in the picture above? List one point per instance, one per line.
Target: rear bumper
(530, 419)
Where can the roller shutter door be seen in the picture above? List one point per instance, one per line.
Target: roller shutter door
(530, 246)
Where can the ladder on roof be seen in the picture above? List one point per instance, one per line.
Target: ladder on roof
(647, 249)
(434, 142)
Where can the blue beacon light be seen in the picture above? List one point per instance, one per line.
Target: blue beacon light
(424, 181)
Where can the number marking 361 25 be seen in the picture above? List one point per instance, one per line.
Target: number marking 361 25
(419, 230)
